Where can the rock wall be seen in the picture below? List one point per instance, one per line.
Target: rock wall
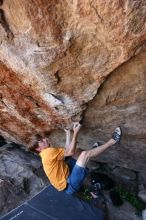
(21, 176)
(56, 55)
(121, 100)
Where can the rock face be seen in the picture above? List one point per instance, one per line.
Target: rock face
(54, 57)
(125, 212)
(121, 100)
(21, 176)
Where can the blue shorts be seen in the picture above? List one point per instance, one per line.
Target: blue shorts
(76, 177)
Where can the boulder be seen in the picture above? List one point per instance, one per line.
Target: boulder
(144, 214)
(142, 195)
(142, 178)
(57, 60)
(21, 177)
(124, 174)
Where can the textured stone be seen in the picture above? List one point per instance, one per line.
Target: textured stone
(142, 178)
(21, 177)
(121, 100)
(125, 212)
(144, 214)
(60, 53)
(54, 57)
(93, 165)
(142, 195)
(124, 174)
(2, 141)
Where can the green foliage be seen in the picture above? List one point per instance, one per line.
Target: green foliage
(85, 194)
(124, 195)
(132, 199)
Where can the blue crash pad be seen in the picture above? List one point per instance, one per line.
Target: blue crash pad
(50, 204)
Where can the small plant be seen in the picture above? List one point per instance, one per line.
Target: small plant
(132, 199)
(85, 194)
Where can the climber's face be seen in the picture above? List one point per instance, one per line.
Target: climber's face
(42, 144)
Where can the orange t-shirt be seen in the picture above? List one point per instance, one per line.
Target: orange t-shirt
(55, 167)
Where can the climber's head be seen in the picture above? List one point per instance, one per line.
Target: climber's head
(39, 144)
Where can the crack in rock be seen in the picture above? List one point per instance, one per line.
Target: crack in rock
(5, 25)
(1, 2)
(57, 76)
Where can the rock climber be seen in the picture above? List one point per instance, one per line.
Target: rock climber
(66, 167)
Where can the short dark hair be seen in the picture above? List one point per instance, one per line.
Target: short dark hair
(34, 145)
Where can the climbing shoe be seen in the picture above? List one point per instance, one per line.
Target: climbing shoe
(117, 134)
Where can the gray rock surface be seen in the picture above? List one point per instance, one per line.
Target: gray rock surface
(144, 214)
(121, 100)
(125, 212)
(124, 174)
(93, 165)
(142, 178)
(142, 195)
(21, 176)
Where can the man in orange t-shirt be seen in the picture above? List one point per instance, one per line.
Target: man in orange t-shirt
(69, 174)
(55, 167)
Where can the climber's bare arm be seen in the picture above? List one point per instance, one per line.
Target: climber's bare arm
(72, 147)
(67, 143)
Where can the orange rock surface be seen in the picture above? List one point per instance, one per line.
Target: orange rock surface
(55, 55)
